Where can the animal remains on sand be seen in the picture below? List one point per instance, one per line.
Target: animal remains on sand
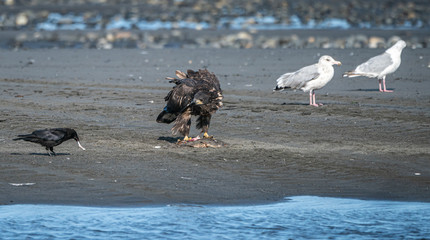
(381, 65)
(309, 78)
(195, 93)
(50, 138)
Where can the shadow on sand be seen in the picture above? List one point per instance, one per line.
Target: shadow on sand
(41, 154)
(170, 139)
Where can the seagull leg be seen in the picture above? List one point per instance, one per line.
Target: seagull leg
(385, 88)
(312, 98)
(380, 85)
(315, 102)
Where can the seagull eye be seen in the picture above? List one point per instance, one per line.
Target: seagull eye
(327, 59)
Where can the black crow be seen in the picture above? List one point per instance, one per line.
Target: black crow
(196, 93)
(50, 137)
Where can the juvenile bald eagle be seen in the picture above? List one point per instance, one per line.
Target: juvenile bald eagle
(195, 93)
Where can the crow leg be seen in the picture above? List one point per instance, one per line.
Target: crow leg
(52, 151)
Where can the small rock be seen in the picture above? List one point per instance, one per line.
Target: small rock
(375, 42)
(21, 19)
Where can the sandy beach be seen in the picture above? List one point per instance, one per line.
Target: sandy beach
(361, 144)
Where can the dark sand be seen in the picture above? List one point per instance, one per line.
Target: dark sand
(361, 144)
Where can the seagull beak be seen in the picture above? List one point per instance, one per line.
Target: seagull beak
(338, 63)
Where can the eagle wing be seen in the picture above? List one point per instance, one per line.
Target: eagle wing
(181, 95)
(188, 84)
(177, 100)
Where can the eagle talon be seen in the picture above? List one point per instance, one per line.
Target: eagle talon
(206, 135)
(188, 139)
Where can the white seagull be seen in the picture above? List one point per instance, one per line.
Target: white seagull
(381, 65)
(309, 78)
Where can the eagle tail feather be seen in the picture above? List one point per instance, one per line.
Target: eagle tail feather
(182, 124)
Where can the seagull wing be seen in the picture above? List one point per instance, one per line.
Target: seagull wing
(299, 78)
(375, 65)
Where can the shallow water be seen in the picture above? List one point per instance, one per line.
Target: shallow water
(56, 21)
(295, 218)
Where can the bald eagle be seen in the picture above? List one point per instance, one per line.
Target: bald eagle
(195, 93)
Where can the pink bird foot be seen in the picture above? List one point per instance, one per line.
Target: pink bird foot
(382, 84)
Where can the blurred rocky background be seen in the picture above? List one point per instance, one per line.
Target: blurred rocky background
(107, 24)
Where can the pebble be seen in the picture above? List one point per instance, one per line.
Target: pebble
(242, 22)
(21, 19)
(186, 39)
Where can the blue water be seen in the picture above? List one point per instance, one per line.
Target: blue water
(56, 21)
(295, 218)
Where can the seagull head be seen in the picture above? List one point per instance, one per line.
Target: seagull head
(328, 60)
(400, 44)
(396, 48)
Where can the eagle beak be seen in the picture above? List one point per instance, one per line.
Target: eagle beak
(198, 102)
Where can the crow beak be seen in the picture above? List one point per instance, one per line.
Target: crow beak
(79, 144)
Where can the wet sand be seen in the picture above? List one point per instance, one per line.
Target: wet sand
(361, 144)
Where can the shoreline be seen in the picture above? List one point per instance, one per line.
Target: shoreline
(361, 144)
(211, 39)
